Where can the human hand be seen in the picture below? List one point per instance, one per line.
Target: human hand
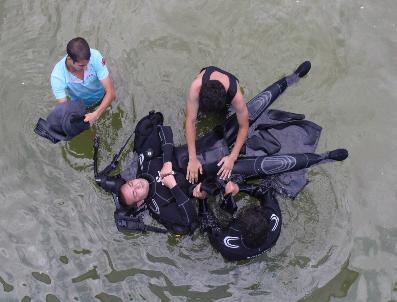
(193, 167)
(197, 192)
(231, 188)
(226, 164)
(169, 181)
(91, 117)
(166, 169)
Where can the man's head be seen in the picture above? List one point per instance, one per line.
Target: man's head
(79, 53)
(212, 97)
(134, 192)
(254, 227)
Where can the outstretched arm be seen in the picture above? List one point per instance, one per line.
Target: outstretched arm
(110, 95)
(192, 104)
(227, 162)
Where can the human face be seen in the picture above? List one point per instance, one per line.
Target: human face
(135, 190)
(78, 65)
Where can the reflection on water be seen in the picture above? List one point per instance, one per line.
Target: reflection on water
(79, 151)
(42, 277)
(6, 287)
(336, 288)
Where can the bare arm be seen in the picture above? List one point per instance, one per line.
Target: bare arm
(192, 105)
(227, 162)
(110, 95)
(242, 118)
(191, 117)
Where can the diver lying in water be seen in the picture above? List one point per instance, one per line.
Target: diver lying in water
(165, 195)
(153, 185)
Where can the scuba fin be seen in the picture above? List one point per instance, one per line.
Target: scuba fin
(41, 129)
(338, 154)
(303, 69)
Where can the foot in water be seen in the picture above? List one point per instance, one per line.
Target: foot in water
(303, 69)
(338, 154)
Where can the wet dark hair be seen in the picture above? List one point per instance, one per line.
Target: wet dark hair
(254, 225)
(78, 49)
(212, 97)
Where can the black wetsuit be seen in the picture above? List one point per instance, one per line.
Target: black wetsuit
(171, 207)
(229, 241)
(232, 90)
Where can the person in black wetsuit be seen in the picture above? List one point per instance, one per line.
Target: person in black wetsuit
(214, 90)
(160, 184)
(256, 228)
(254, 231)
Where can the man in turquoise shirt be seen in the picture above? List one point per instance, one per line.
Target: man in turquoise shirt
(83, 75)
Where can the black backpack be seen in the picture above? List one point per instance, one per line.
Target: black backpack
(146, 134)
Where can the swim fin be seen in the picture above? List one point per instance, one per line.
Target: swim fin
(338, 154)
(303, 69)
(41, 129)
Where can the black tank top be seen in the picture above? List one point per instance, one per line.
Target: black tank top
(231, 92)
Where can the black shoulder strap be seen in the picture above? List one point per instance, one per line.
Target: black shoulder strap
(134, 223)
(232, 91)
(207, 73)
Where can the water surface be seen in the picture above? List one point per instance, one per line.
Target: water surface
(338, 243)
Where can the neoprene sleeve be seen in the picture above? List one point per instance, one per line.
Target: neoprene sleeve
(185, 205)
(167, 142)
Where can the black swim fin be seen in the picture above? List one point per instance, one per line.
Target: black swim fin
(303, 69)
(41, 129)
(338, 154)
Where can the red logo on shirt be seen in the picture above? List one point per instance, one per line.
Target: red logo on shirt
(103, 61)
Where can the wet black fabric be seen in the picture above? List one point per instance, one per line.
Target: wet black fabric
(278, 132)
(64, 122)
(229, 241)
(146, 134)
(172, 208)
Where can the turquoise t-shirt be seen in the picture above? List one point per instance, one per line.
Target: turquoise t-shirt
(89, 90)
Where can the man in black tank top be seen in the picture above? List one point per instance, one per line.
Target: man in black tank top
(214, 90)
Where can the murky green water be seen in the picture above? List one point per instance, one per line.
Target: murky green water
(58, 241)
